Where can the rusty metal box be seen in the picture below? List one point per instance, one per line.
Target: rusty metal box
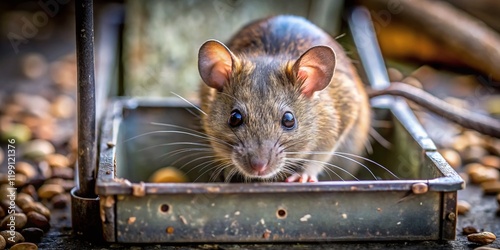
(421, 205)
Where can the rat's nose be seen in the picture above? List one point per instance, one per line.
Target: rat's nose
(257, 164)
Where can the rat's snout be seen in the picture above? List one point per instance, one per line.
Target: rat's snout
(258, 164)
(259, 158)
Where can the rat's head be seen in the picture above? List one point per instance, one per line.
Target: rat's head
(262, 106)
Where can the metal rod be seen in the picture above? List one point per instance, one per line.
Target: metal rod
(366, 42)
(86, 97)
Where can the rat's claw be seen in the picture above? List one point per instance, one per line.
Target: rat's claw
(293, 178)
(302, 178)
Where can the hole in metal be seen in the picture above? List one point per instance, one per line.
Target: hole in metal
(165, 208)
(281, 213)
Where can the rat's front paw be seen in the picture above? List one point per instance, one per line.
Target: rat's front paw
(302, 178)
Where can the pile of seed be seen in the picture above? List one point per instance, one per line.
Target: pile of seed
(40, 128)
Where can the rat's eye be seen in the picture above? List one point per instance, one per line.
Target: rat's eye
(236, 118)
(288, 120)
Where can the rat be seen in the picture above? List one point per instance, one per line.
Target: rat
(280, 98)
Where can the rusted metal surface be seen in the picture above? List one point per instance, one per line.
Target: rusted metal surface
(290, 216)
(84, 217)
(192, 217)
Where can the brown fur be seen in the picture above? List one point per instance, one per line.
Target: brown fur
(263, 86)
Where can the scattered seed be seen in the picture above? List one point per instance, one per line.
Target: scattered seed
(452, 157)
(47, 191)
(482, 238)
(469, 230)
(57, 160)
(491, 161)
(6, 205)
(38, 220)
(32, 234)
(64, 173)
(394, 75)
(473, 153)
(66, 184)
(493, 146)
(23, 199)
(34, 105)
(20, 132)
(31, 191)
(479, 173)
(3, 243)
(45, 169)
(24, 246)
(34, 66)
(168, 174)
(4, 190)
(37, 149)
(17, 238)
(410, 80)
(63, 74)
(63, 107)
(485, 248)
(2, 156)
(460, 143)
(60, 200)
(463, 207)
(491, 187)
(20, 180)
(39, 208)
(20, 220)
(27, 169)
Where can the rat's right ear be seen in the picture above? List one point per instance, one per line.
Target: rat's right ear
(215, 64)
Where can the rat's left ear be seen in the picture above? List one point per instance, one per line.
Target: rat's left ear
(315, 69)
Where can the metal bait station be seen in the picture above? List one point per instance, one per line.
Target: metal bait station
(114, 202)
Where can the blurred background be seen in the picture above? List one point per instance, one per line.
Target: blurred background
(149, 49)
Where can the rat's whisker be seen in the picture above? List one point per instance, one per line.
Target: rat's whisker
(379, 138)
(196, 159)
(326, 164)
(181, 151)
(340, 36)
(201, 134)
(190, 103)
(175, 143)
(230, 175)
(188, 155)
(371, 161)
(208, 164)
(220, 168)
(344, 155)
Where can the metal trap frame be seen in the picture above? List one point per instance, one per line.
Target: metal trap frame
(114, 203)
